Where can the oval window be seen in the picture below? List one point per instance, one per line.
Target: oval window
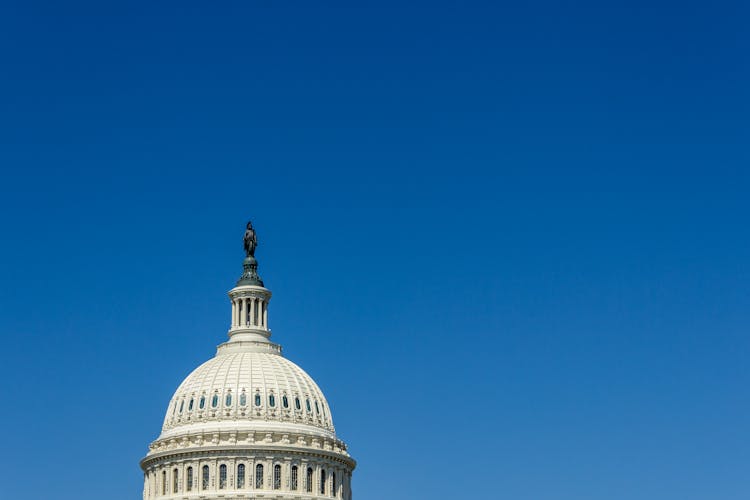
(228, 400)
(202, 402)
(182, 405)
(190, 405)
(272, 400)
(285, 401)
(296, 404)
(307, 403)
(317, 409)
(257, 400)
(215, 401)
(243, 399)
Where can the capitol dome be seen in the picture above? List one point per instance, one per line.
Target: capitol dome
(248, 423)
(247, 389)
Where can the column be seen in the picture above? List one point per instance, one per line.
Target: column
(245, 310)
(252, 311)
(265, 315)
(302, 476)
(234, 313)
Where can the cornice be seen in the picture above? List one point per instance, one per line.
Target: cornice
(244, 450)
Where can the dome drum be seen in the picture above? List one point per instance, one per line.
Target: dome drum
(247, 474)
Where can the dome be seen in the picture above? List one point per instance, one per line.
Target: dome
(247, 389)
(248, 423)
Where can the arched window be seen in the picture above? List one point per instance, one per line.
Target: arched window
(241, 476)
(174, 481)
(163, 482)
(215, 401)
(205, 477)
(243, 399)
(228, 399)
(322, 482)
(272, 401)
(259, 476)
(222, 476)
(296, 404)
(308, 480)
(189, 485)
(190, 405)
(202, 402)
(307, 403)
(257, 399)
(277, 477)
(285, 401)
(333, 484)
(317, 408)
(293, 483)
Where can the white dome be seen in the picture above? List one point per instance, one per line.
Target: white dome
(250, 388)
(248, 423)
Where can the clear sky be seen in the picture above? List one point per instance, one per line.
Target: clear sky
(509, 242)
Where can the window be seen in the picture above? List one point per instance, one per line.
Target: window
(189, 479)
(257, 399)
(277, 477)
(317, 408)
(243, 399)
(333, 484)
(322, 482)
(307, 403)
(228, 400)
(215, 401)
(259, 476)
(308, 480)
(163, 482)
(202, 402)
(296, 404)
(222, 476)
(241, 476)
(205, 477)
(174, 481)
(182, 405)
(285, 401)
(293, 482)
(272, 400)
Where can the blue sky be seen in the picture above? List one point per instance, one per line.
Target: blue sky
(510, 242)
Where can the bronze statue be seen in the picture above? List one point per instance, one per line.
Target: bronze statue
(250, 240)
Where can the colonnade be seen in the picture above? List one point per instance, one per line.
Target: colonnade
(187, 477)
(250, 312)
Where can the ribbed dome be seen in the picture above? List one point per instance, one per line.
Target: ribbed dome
(248, 423)
(251, 387)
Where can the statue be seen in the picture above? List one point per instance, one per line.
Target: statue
(250, 240)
